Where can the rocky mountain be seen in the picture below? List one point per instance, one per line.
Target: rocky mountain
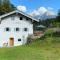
(46, 15)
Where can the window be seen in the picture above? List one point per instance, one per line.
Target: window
(21, 18)
(26, 18)
(19, 39)
(25, 29)
(12, 17)
(0, 22)
(7, 29)
(17, 29)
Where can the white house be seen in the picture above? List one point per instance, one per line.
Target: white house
(15, 28)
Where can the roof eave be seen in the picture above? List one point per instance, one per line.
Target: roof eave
(2, 16)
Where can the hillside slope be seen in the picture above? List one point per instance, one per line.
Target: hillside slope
(46, 48)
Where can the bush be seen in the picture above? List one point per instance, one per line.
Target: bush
(29, 39)
(42, 38)
(56, 34)
(52, 33)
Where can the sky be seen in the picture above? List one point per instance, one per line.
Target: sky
(34, 5)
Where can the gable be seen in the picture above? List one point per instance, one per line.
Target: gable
(19, 14)
(14, 20)
(16, 17)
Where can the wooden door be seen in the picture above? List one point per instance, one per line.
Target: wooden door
(11, 41)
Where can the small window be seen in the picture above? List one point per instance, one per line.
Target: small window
(17, 29)
(0, 22)
(25, 29)
(12, 17)
(7, 29)
(21, 18)
(26, 18)
(19, 39)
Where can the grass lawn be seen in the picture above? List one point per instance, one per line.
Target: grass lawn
(39, 50)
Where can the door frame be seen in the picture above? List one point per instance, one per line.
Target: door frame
(11, 41)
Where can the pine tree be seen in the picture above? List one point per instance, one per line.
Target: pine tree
(6, 6)
(58, 17)
(1, 8)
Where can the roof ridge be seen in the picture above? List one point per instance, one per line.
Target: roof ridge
(17, 11)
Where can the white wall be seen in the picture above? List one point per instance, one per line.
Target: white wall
(12, 24)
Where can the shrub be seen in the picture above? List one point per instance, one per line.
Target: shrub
(56, 34)
(29, 39)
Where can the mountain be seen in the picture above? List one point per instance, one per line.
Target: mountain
(46, 15)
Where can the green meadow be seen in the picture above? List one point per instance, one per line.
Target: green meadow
(45, 48)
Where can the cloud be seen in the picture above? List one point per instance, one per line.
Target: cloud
(34, 13)
(22, 8)
(40, 11)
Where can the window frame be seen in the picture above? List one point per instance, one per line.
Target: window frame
(19, 39)
(26, 29)
(21, 18)
(17, 29)
(13, 17)
(27, 18)
(7, 29)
